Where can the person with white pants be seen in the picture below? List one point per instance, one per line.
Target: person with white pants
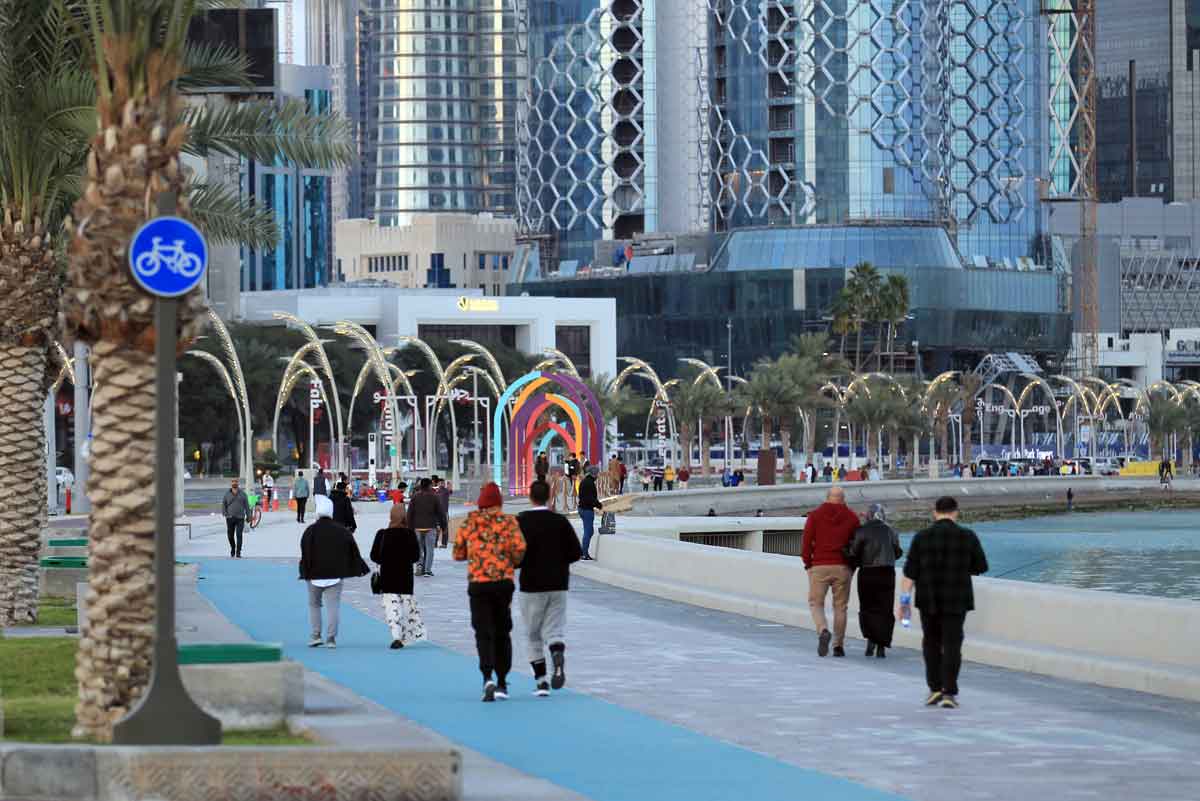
(551, 545)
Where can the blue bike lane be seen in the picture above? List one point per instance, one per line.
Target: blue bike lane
(588, 745)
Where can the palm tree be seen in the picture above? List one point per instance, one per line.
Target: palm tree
(809, 367)
(969, 386)
(894, 306)
(40, 160)
(694, 403)
(861, 299)
(770, 393)
(874, 405)
(138, 54)
(1164, 418)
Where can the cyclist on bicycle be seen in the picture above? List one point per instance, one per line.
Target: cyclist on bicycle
(235, 506)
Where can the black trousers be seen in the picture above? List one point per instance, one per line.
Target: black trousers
(300, 504)
(876, 591)
(942, 646)
(234, 527)
(658, 483)
(491, 617)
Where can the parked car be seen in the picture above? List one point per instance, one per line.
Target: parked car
(1106, 467)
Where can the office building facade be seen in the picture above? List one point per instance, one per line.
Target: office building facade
(432, 88)
(645, 116)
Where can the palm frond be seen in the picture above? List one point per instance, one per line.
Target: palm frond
(264, 132)
(206, 66)
(228, 219)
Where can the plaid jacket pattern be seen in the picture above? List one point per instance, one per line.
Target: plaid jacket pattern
(941, 561)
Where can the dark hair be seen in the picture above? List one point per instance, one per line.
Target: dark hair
(539, 492)
(426, 483)
(945, 505)
(340, 486)
(402, 485)
(434, 479)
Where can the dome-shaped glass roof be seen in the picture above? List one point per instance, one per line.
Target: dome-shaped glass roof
(838, 246)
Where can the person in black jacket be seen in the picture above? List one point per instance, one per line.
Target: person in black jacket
(343, 507)
(395, 550)
(874, 549)
(589, 504)
(941, 561)
(551, 546)
(426, 517)
(328, 554)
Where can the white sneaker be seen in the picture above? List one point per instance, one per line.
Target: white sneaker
(330, 644)
(502, 692)
(315, 642)
(489, 691)
(542, 690)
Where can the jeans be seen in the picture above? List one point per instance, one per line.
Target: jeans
(588, 516)
(318, 597)
(821, 579)
(491, 617)
(428, 539)
(234, 526)
(658, 483)
(941, 643)
(300, 504)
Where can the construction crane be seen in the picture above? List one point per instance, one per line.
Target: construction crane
(1071, 35)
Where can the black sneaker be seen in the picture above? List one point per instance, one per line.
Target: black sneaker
(948, 702)
(839, 650)
(823, 643)
(429, 574)
(870, 649)
(396, 644)
(489, 691)
(880, 653)
(935, 697)
(558, 677)
(542, 690)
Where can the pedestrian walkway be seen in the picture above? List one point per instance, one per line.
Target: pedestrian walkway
(583, 743)
(669, 701)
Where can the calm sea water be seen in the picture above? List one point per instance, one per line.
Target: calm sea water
(1146, 553)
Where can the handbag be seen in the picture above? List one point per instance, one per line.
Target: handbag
(377, 575)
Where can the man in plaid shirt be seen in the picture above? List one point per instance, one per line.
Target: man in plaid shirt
(941, 561)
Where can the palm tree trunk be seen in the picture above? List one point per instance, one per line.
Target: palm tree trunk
(891, 347)
(705, 456)
(685, 440)
(785, 436)
(858, 349)
(115, 651)
(766, 455)
(22, 462)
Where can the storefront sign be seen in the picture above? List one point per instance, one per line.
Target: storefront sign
(467, 304)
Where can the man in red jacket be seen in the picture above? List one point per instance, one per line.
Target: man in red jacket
(827, 530)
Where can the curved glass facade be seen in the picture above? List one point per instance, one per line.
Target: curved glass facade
(821, 246)
(445, 77)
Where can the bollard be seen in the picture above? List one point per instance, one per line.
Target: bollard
(68, 500)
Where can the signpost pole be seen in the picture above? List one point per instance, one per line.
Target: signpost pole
(166, 714)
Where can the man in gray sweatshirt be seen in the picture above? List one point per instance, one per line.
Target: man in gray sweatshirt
(235, 506)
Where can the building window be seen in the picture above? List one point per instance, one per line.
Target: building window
(576, 342)
(889, 181)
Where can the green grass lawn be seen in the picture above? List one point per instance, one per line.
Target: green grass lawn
(37, 676)
(55, 611)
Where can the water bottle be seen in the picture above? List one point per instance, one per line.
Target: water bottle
(906, 610)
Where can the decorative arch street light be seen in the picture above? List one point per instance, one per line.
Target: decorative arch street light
(219, 366)
(379, 364)
(239, 381)
(322, 360)
(442, 391)
(488, 359)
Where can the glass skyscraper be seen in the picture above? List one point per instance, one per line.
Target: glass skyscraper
(443, 80)
(786, 112)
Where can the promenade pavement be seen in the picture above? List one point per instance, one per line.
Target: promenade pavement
(667, 701)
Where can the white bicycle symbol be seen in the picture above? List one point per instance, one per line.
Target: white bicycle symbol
(174, 257)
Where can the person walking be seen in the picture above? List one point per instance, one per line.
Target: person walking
(320, 483)
(874, 549)
(685, 476)
(491, 544)
(1165, 473)
(644, 477)
(828, 473)
(328, 554)
(395, 550)
(669, 477)
(426, 518)
(300, 492)
(589, 504)
(550, 548)
(826, 533)
(235, 507)
(658, 478)
(343, 507)
(541, 466)
(941, 561)
(268, 487)
(443, 492)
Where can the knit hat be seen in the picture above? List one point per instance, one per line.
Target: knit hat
(324, 506)
(490, 496)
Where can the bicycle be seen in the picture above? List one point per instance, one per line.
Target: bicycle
(174, 257)
(255, 511)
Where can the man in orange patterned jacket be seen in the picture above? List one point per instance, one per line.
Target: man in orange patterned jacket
(491, 544)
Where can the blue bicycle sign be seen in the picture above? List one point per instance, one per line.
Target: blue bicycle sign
(168, 256)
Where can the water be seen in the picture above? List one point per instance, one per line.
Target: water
(1144, 553)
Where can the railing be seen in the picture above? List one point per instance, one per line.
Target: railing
(784, 543)
(718, 539)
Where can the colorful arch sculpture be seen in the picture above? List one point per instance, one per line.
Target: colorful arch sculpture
(528, 400)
